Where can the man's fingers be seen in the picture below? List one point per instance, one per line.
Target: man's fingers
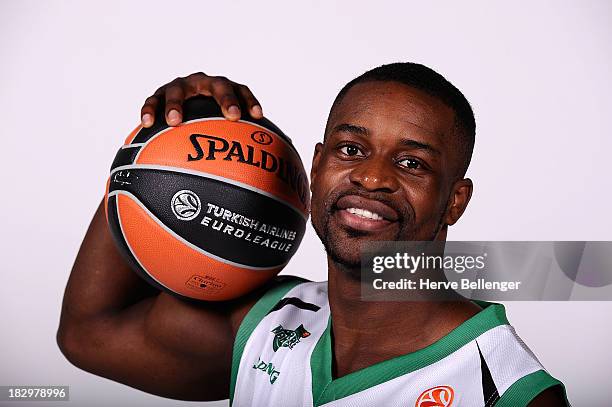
(147, 112)
(223, 92)
(226, 93)
(197, 84)
(175, 95)
(251, 101)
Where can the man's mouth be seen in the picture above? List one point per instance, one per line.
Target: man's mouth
(363, 214)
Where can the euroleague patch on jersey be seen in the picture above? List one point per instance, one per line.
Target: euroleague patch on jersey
(439, 396)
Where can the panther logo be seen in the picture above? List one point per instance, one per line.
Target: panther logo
(288, 338)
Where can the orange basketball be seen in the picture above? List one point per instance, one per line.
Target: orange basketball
(210, 209)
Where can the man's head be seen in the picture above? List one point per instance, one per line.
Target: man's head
(397, 144)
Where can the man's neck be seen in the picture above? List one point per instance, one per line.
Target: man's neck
(369, 332)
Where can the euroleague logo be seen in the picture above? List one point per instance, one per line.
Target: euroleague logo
(439, 396)
(185, 205)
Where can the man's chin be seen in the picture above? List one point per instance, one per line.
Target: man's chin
(348, 260)
(350, 265)
(345, 249)
(343, 243)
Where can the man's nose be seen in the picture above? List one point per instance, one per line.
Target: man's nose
(375, 175)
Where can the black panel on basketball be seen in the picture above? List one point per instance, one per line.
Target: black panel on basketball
(125, 156)
(229, 208)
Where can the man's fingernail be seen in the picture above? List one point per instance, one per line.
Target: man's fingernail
(174, 116)
(233, 110)
(257, 110)
(147, 119)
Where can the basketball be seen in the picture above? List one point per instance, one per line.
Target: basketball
(210, 209)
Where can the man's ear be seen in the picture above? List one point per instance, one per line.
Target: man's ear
(458, 200)
(318, 151)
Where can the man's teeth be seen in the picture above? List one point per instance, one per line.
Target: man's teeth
(364, 213)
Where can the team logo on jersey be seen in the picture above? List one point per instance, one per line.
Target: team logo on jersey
(287, 338)
(439, 396)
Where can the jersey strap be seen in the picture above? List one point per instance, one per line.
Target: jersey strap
(253, 318)
(524, 390)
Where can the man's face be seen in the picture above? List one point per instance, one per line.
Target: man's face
(386, 170)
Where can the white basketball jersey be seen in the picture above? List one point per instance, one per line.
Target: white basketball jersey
(283, 358)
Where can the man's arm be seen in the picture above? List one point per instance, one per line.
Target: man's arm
(115, 325)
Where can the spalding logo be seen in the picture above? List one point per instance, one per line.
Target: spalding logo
(261, 137)
(185, 205)
(439, 396)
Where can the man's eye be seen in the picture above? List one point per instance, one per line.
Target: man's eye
(351, 150)
(410, 163)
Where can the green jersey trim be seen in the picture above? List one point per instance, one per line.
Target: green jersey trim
(252, 319)
(320, 364)
(325, 389)
(524, 390)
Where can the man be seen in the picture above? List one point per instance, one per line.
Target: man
(397, 144)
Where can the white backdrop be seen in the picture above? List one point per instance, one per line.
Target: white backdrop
(74, 74)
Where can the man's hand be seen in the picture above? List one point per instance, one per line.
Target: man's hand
(228, 94)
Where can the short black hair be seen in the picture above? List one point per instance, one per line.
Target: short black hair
(432, 83)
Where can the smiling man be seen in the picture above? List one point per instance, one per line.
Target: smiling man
(392, 166)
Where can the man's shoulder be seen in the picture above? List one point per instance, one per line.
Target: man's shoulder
(289, 279)
(290, 285)
(515, 372)
(274, 290)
